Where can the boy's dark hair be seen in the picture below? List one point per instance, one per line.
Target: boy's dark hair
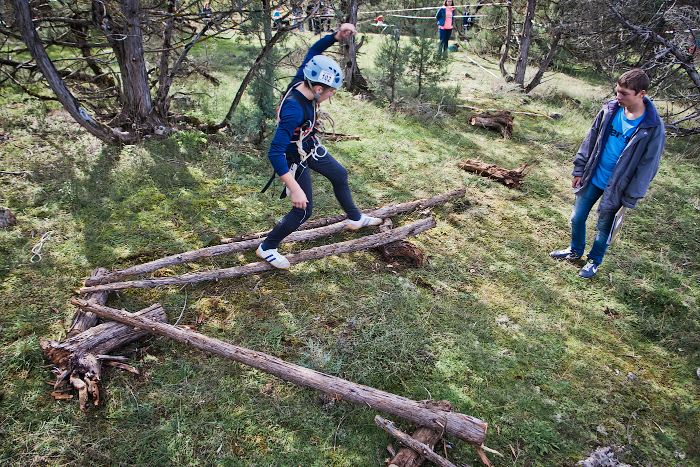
(635, 79)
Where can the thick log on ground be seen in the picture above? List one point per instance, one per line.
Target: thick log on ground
(501, 122)
(391, 251)
(415, 445)
(82, 320)
(78, 358)
(382, 212)
(510, 178)
(350, 246)
(322, 135)
(464, 427)
(407, 457)
(321, 228)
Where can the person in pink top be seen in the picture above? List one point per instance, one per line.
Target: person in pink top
(445, 17)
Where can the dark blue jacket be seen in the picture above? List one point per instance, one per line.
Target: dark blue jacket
(292, 115)
(638, 163)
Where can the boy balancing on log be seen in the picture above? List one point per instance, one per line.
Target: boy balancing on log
(295, 149)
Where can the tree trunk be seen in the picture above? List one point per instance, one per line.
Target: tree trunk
(464, 427)
(127, 44)
(510, 178)
(407, 457)
(162, 103)
(78, 358)
(23, 19)
(525, 40)
(415, 445)
(251, 241)
(350, 246)
(506, 46)
(545, 64)
(354, 81)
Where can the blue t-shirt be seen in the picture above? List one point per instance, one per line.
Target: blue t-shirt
(620, 134)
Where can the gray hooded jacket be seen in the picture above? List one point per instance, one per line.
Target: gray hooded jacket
(638, 162)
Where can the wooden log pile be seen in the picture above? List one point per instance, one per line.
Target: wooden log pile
(77, 359)
(501, 122)
(510, 178)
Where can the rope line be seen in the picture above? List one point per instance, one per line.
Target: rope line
(37, 248)
(429, 8)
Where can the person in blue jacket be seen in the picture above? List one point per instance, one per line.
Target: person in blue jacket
(615, 164)
(294, 148)
(445, 21)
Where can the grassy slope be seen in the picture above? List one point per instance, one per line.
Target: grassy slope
(555, 365)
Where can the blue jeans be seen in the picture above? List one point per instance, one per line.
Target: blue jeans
(445, 35)
(338, 176)
(582, 207)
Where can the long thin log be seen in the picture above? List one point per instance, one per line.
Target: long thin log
(323, 227)
(510, 178)
(382, 212)
(465, 427)
(350, 246)
(407, 457)
(417, 446)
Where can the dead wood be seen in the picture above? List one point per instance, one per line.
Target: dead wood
(415, 445)
(83, 321)
(391, 251)
(510, 178)
(306, 255)
(322, 228)
(7, 217)
(501, 122)
(382, 212)
(464, 427)
(336, 136)
(407, 457)
(78, 358)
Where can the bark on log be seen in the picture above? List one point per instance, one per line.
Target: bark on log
(464, 427)
(78, 358)
(402, 248)
(83, 321)
(383, 212)
(510, 178)
(313, 253)
(322, 135)
(501, 122)
(323, 227)
(417, 446)
(407, 457)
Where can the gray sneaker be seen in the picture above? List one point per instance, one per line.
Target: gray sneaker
(588, 270)
(565, 254)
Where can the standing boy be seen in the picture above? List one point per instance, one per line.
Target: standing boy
(616, 162)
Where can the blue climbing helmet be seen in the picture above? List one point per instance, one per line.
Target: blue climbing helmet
(323, 70)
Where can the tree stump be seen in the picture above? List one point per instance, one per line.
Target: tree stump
(391, 251)
(501, 122)
(7, 217)
(78, 358)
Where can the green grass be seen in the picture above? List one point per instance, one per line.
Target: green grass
(557, 366)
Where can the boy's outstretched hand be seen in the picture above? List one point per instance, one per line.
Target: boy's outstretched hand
(344, 31)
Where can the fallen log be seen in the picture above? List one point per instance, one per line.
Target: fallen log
(382, 212)
(401, 248)
(510, 178)
(82, 321)
(78, 358)
(313, 253)
(464, 427)
(415, 445)
(501, 122)
(407, 457)
(322, 228)
(322, 135)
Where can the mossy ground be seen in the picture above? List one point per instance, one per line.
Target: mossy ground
(557, 366)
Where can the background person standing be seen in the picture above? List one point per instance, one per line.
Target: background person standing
(615, 164)
(445, 17)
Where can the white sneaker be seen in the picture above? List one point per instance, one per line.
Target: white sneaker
(364, 221)
(273, 257)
